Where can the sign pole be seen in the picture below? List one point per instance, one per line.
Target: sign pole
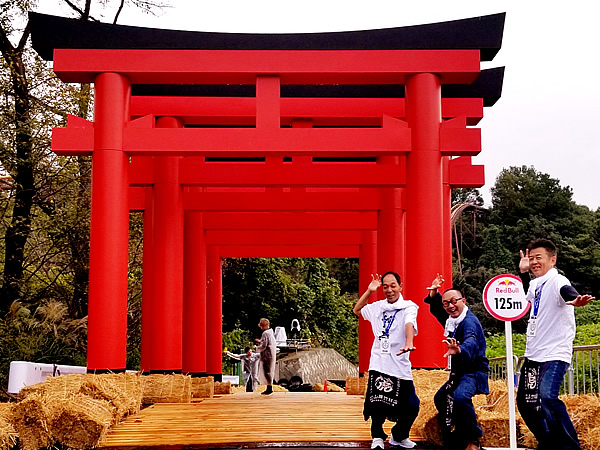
(510, 378)
(504, 298)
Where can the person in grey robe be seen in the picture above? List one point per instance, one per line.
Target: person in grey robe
(249, 367)
(267, 348)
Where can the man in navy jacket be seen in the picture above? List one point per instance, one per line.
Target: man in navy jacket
(468, 365)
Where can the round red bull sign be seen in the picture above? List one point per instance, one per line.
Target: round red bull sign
(504, 298)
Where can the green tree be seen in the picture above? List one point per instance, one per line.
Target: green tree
(285, 289)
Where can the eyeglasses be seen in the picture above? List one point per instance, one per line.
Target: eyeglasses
(446, 303)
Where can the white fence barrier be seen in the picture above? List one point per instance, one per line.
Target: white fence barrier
(25, 373)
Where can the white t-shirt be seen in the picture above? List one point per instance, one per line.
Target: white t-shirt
(555, 324)
(389, 363)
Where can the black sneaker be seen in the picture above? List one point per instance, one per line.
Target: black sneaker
(269, 391)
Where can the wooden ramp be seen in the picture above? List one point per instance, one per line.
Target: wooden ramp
(248, 418)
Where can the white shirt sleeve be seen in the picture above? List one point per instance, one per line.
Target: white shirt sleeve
(368, 311)
(410, 316)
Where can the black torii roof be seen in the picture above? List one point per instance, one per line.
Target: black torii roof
(484, 33)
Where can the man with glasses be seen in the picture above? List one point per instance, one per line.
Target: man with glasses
(549, 348)
(468, 365)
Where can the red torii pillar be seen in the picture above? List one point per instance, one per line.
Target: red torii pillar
(167, 326)
(367, 265)
(148, 298)
(214, 313)
(194, 295)
(109, 228)
(424, 203)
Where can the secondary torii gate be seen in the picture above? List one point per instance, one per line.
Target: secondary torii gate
(206, 131)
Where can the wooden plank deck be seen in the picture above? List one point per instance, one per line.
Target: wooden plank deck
(248, 418)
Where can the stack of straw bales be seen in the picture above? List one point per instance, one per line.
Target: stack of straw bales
(492, 410)
(8, 434)
(492, 414)
(74, 411)
(203, 387)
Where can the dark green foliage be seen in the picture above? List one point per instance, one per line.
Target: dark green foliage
(45, 334)
(286, 289)
(526, 205)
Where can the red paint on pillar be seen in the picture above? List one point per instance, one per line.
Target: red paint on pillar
(425, 211)
(214, 312)
(390, 225)
(167, 318)
(367, 265)
(148, 298)
(109, 228)
(194, 295)
(447, 202)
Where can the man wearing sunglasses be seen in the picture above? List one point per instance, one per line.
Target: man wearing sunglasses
(468, 365)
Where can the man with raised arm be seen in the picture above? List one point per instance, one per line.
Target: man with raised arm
(390, 390)
(469, 367)
(549, 349)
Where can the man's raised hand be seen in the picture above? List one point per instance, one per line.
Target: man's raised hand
(375, 282)
(437, 282)
(524, 261)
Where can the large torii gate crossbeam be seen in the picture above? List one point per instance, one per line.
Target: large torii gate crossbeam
(262, 145)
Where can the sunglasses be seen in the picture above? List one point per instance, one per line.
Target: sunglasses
(453, 301)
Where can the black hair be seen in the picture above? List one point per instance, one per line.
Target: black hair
(396, 276)
(454, 289)
(543, 243)
(246, 349)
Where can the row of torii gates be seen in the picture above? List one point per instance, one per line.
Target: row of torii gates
(252, 145)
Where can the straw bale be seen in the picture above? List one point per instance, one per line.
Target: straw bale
(496, 428)
(432, 432)
(123, 391)
(524, 435)
(31, 418)
(356, 385)
(222, 387)
(64, 386)
(59, 386)
(203, 387)
(172, 388)
(585, 414)
(8, 434)
(429, 381)
(38, 389)
(81, 422)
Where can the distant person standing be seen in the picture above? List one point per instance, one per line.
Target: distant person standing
(390, 390)
(249, 367)
(267, 348)
(549, 349)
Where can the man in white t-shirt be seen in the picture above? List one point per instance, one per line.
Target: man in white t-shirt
(550, 333)
(390, 390)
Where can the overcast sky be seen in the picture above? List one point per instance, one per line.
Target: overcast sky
(550, 105)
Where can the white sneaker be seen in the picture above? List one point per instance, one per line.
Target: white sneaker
(404, 443)
(377, 444)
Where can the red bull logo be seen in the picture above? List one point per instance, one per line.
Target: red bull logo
(507, 286)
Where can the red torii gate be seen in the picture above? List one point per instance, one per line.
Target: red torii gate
(329, 175)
